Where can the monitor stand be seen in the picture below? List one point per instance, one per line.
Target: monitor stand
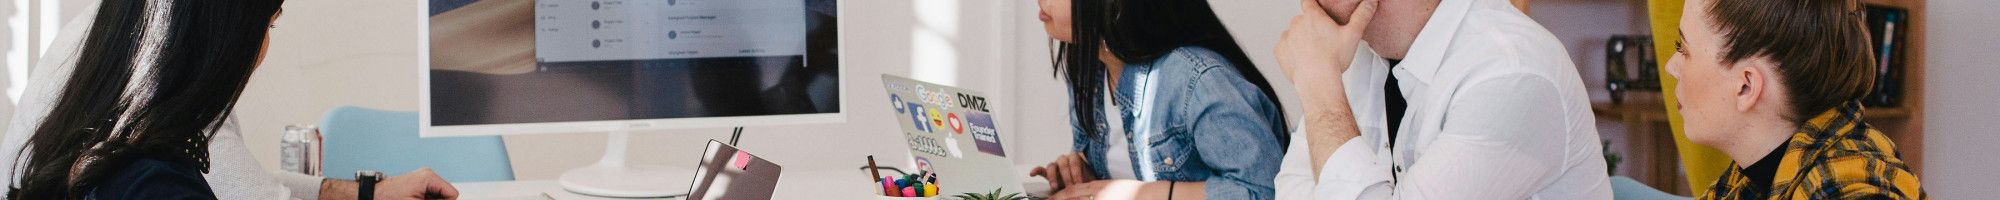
(613, 177)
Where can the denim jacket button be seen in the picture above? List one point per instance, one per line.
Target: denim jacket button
(1168, 161)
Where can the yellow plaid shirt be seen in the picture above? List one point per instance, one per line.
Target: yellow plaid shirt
(1833, 156)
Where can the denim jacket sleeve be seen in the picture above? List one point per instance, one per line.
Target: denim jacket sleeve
(1227, 122)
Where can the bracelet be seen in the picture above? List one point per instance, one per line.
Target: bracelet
(1170, 190)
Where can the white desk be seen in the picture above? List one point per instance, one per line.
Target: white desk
(820, 184)
(836, 184)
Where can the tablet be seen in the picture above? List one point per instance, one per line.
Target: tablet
(728, 173)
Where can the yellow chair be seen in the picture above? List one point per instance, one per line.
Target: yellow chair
(1701, 163)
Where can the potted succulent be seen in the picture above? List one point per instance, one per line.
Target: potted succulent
(995, 195)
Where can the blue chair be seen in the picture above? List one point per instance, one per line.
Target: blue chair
(1624, 188)
(360, 138)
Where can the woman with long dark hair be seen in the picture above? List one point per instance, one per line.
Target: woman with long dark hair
(153, 83)
(1196, 119)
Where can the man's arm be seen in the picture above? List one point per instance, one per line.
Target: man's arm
(1329, 121)
(419, 184)
(338, 189)
(1314, 52)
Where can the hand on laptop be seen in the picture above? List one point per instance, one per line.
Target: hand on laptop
(418, 184)
(1067, 170)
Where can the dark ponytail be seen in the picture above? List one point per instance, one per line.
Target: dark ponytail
(154, 79)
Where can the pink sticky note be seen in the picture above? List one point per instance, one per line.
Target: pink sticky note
(742, 160)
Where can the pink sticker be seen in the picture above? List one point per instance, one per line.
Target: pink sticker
(742, 160)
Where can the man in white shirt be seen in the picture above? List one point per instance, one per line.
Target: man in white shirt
(1494, 107)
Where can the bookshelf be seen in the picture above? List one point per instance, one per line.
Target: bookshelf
(1904, 122)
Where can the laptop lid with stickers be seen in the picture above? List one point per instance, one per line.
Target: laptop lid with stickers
(950, 132)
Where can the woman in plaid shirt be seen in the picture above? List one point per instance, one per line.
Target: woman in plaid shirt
(1774, 84)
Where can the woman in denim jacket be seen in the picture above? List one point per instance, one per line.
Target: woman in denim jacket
(1196, 120)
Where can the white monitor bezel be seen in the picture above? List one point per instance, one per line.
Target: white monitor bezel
(426, 129)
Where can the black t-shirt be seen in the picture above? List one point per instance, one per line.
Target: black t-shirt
(1762, 171)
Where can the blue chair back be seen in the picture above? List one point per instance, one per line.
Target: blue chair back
(1624, 188)
(360, 138)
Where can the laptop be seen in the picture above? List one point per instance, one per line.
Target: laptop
(727, 173)
(950, 132)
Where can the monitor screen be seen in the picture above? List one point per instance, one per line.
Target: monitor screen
(503, 66)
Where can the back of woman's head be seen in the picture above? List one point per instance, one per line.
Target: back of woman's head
(1820, 48)
(1140, 31)
(152, 79)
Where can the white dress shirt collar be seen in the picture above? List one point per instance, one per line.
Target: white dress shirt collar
(1426, 54)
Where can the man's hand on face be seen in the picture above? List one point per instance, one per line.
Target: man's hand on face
(1314, 52)
(1315, 49)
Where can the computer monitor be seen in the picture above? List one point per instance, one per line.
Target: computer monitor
(493, 67)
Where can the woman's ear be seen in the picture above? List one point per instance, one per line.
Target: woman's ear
(1754, 80)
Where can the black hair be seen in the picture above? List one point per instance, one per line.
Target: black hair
(154, 78)
(1143, 30)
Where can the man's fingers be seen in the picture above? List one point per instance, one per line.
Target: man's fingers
(1311, 8)
(1288, 29)
(443, 188)
(433, 184)
(1363, 14)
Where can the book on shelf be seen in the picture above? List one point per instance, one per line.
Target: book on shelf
(1887, 27)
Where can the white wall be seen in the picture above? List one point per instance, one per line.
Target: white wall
(329, 53)
(1584, 25)
(30, 26)
(1959, 113)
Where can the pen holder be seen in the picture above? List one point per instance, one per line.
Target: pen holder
(881, 189)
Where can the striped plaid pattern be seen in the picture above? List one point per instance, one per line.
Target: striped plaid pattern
(1832, 156)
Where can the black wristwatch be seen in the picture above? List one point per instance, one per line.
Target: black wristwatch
(367, 178)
